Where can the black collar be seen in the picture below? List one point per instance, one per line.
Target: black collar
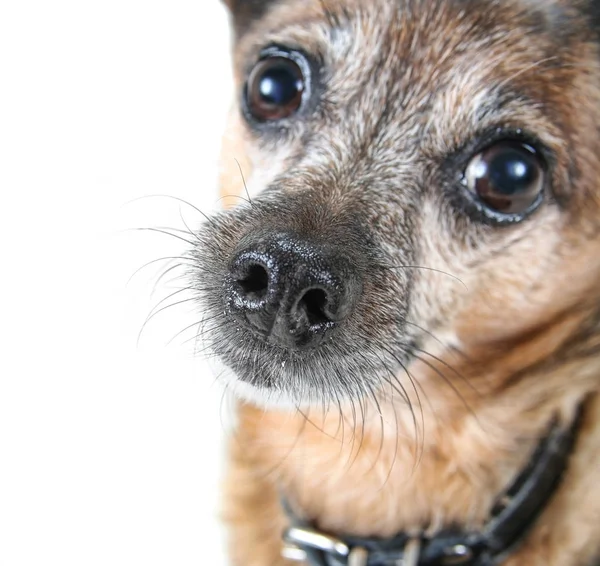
(511, 518)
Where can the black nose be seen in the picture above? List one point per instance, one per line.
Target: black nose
(291, 291)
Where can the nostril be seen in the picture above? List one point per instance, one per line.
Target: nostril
(314, 302)
(255, 284)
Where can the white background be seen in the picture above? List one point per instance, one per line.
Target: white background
(110, 452)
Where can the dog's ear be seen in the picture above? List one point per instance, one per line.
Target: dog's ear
(245, 12)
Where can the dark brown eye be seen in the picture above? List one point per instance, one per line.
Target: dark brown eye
(507, 177)
(275, 88)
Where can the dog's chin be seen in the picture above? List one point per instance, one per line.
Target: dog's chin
(261, 396)
(283, 390)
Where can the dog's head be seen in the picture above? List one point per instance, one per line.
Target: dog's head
(423, 178)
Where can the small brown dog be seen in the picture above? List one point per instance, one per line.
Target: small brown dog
(410, 308)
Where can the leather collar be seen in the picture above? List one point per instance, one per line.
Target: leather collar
(514, 514)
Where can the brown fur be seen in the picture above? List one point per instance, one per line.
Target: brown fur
(528, 348)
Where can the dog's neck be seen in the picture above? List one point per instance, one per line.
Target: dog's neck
(375, 469)
(514, 513)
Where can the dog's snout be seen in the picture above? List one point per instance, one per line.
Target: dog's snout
(290, 291)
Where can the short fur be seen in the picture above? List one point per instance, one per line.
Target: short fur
(468, 337)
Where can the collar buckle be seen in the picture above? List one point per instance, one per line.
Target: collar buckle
(296, 539)
(303, 536)
(412, 553)
(458, 554)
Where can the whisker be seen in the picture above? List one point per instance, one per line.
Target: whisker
(173, 198)
(382, 430)
(163, 231)
(169, 296)
(244, 181)
(150, 317)
(233, 196)
(452, 369)
(223, 398)
(201, 335)
(199, 322)
(313, 424)
(163, 275)
(449, 383)
(404, 395)
(188, 228)
(167, 258)
(392, 267)
(419, 450)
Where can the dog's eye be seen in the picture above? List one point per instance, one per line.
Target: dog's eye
(275, 88)
(507, 177)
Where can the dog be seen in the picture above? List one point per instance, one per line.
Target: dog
(405, 296)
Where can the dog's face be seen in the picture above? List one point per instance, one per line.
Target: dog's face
(423, 177)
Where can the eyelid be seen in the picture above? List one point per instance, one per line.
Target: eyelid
(456, 161)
